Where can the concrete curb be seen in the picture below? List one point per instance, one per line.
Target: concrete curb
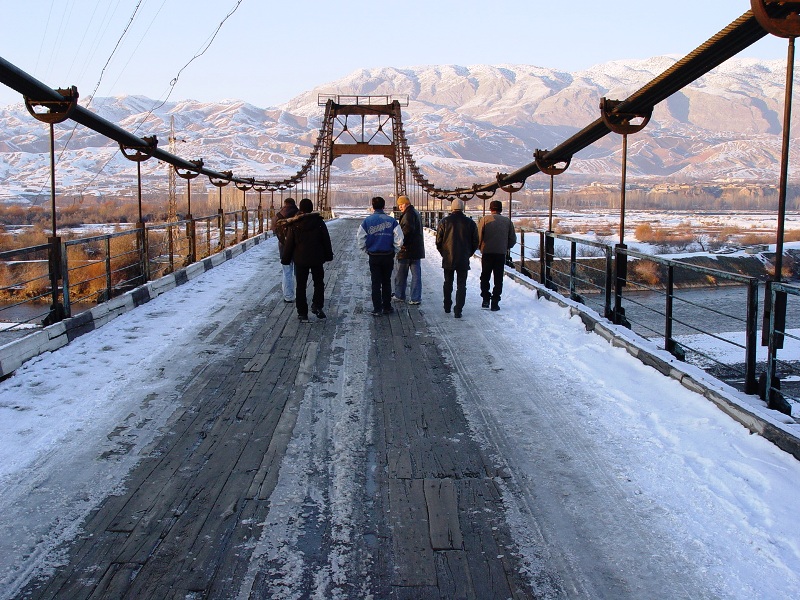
(14, 354)
(749, 411)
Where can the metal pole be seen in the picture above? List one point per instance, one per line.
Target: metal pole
(751, 341)
(53, 180)
(787, 115)
(139, 187)
(669, 343)
(622, 189)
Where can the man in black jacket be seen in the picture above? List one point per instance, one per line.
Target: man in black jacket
(456, 240)
(308, 244)
(411, 253)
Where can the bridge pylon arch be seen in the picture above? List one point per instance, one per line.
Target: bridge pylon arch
(362, 125)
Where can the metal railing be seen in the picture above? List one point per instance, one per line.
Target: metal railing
(94, 269)
(777, 335)
(639, 291)
(25, 288)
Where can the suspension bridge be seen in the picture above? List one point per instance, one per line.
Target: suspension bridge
(370, 457)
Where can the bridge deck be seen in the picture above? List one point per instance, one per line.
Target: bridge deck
(425, 515)
(502, 455)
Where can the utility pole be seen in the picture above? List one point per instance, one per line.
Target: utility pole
(172, 208)
(172, 211)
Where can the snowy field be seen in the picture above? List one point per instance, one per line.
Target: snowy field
(73, 422)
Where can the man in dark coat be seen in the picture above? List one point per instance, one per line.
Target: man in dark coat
(456, 240)
(308, 244)
(287, 211)
(411, 253)
(496, 236)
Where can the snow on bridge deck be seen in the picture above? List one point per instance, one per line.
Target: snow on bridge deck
(207, 444)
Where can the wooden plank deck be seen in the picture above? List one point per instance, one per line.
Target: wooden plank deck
(427, 515)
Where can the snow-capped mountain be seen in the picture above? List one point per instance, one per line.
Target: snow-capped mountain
(464, 124)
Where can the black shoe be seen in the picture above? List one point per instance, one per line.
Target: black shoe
(457, 315)
(447, 309)
(320, 314)
(303, 318)
(495, 306)
(485, 304)
(376, 313)
(387, 311)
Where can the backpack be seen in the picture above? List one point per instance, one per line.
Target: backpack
(281, 227)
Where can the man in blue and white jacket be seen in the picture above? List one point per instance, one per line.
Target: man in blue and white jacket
(380, 236)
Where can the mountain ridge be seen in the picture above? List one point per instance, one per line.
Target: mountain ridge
(464, 124)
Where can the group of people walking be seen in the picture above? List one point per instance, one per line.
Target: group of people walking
(305, 245)
(457, 239)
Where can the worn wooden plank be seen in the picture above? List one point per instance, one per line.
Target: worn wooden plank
(266, 477)
(452, 572)
(442, 503)
(399, 463)
(426, 592)
(408, 521)
(488, 572)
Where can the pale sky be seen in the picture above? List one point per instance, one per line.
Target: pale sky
(267, 52)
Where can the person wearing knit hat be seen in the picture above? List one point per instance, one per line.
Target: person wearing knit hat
(410, 255)
(456, 241)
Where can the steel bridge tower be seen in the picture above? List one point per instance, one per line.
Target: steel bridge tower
(363, 125)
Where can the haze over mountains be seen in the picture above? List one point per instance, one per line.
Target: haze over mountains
(464, 124)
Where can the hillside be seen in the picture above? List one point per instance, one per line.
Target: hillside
(464, 125)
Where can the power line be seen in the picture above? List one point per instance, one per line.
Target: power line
(198, 55)
(171, 86)
(116, 46)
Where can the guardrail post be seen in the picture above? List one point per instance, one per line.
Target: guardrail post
(542, 262)
(65, 281)
(620, 280)
(221, 220)
(573, 269)
(669, 343)
(57, 312)
(191, 233)
(549, 255)
(171, 247)
(146, 254)
(751, 338)
(608, 284)
(522, 252)
(108, 269)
